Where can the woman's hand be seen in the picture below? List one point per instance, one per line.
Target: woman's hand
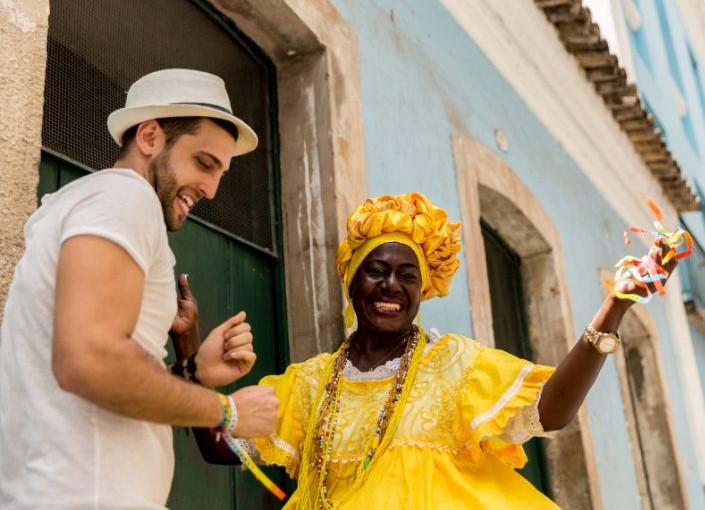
(184, 330)
(186, 317)
(658, 251)
(227, 354)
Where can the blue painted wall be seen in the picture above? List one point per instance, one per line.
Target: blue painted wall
(423, 81)
(665, 56)
(699, 347)
(672, 60)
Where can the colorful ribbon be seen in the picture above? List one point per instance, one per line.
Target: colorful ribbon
(250, 464)
(644, 271)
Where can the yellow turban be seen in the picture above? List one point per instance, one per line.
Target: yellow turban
(408, 219)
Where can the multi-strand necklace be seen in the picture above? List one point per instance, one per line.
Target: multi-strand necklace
(320, 434)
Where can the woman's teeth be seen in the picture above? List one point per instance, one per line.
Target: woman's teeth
(388, 306)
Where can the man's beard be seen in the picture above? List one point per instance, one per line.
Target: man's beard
(166, 187)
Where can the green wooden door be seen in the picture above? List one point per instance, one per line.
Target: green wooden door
(510, 332)
(226, 275)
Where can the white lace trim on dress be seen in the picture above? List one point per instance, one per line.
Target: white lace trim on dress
(389, 369)
(525, 425)
(249, 446)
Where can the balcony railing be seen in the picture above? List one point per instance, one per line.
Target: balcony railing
(693, 275)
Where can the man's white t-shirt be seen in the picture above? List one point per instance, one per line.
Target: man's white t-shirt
(57, 450)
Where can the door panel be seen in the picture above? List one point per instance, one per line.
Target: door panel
(510, 332)
(48, 176)
(226, 276)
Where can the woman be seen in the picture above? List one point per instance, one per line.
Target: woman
(400, 419)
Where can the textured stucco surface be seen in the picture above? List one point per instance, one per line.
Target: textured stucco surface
(23, 32)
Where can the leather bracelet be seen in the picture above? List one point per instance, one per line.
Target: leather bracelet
(191, 368)
(186, 369)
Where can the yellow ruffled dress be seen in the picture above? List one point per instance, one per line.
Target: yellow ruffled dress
(446, 452)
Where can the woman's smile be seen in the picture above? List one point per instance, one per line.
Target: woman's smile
(386, 306)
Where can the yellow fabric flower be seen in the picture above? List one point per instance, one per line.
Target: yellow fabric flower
(413, 215)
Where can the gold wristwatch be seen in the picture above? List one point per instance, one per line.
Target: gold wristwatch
(604, 343)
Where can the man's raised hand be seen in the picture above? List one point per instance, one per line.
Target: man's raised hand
(227, 354)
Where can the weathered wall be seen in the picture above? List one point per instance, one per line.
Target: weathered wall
(23, 34)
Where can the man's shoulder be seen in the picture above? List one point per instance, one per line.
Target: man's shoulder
(116, 188)
(112, 179)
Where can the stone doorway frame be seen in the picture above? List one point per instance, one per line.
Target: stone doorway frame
(489, 189)
(322, 159)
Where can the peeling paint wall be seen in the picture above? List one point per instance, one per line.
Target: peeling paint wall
(23, 36)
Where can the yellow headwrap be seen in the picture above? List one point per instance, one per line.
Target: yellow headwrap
(409, 219)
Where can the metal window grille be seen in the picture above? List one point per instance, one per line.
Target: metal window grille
(694, 277)
(97, 48)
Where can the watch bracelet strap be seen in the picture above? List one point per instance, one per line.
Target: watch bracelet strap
(592, 336)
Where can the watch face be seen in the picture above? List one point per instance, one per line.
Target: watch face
(607, 344)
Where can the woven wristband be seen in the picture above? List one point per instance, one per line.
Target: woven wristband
(229, 427)
(227, 411)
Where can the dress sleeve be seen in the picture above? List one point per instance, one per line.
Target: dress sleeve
(496, 388)
(283, 448)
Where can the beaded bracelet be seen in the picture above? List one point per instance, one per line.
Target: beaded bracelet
(227, 411)
(229, 421)
(225, 430)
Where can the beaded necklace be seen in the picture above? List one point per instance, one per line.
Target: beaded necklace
(320, 432)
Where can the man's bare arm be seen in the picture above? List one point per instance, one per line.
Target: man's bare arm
(98, 298)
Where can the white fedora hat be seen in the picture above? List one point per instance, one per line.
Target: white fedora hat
(179, 93)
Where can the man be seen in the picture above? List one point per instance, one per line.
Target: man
(86, 399)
